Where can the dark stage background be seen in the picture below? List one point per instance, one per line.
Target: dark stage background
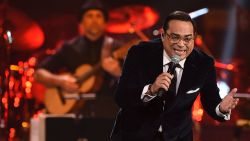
(225, 31)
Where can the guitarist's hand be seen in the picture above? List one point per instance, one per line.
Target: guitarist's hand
(112, 66)
(68, 83)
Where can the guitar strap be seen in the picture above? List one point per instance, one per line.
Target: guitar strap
(107, 47)
(106, 51)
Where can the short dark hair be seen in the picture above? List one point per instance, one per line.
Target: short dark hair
(178, 15)
(92, 5)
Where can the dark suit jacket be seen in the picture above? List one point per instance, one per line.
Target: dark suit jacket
(138, 120)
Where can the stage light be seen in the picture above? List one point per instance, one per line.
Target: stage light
(198, 13)
(229, 43)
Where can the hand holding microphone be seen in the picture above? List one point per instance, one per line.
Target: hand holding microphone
(161, 83)
(165, 78)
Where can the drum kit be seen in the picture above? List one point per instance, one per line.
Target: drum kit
(19, 32)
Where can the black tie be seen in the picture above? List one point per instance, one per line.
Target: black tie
(171, 93)
(172, 86)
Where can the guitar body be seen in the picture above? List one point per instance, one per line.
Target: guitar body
(52, 100)
(89, 79)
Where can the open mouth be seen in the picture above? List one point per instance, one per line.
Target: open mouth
(180, 52)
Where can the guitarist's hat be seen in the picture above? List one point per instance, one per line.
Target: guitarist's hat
(92, 5)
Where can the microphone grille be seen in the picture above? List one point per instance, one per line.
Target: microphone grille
(175, 59)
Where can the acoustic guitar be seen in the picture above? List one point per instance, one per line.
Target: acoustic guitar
(58, 101)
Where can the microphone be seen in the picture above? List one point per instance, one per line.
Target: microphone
(175, 59)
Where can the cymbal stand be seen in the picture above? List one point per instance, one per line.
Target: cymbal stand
(138, 32)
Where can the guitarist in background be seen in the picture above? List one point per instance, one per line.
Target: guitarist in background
(91, 47)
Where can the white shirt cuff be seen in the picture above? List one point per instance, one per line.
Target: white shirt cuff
(225, 116)
(146, 97)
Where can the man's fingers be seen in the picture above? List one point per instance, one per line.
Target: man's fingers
(237, 100)
(233, 92)
(165, 74)
(165, 80)
(164, 86)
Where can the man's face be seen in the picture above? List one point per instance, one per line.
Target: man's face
(93, 23)
(179, 38)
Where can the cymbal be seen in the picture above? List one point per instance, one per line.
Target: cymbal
(134, 17)
(26, 34)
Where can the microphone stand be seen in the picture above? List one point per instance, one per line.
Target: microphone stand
(5, 53)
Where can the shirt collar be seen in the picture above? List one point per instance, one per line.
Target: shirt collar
(166, 60)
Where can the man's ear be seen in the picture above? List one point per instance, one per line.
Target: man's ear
(162, 38)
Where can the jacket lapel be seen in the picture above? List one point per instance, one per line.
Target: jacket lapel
(188, 73)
